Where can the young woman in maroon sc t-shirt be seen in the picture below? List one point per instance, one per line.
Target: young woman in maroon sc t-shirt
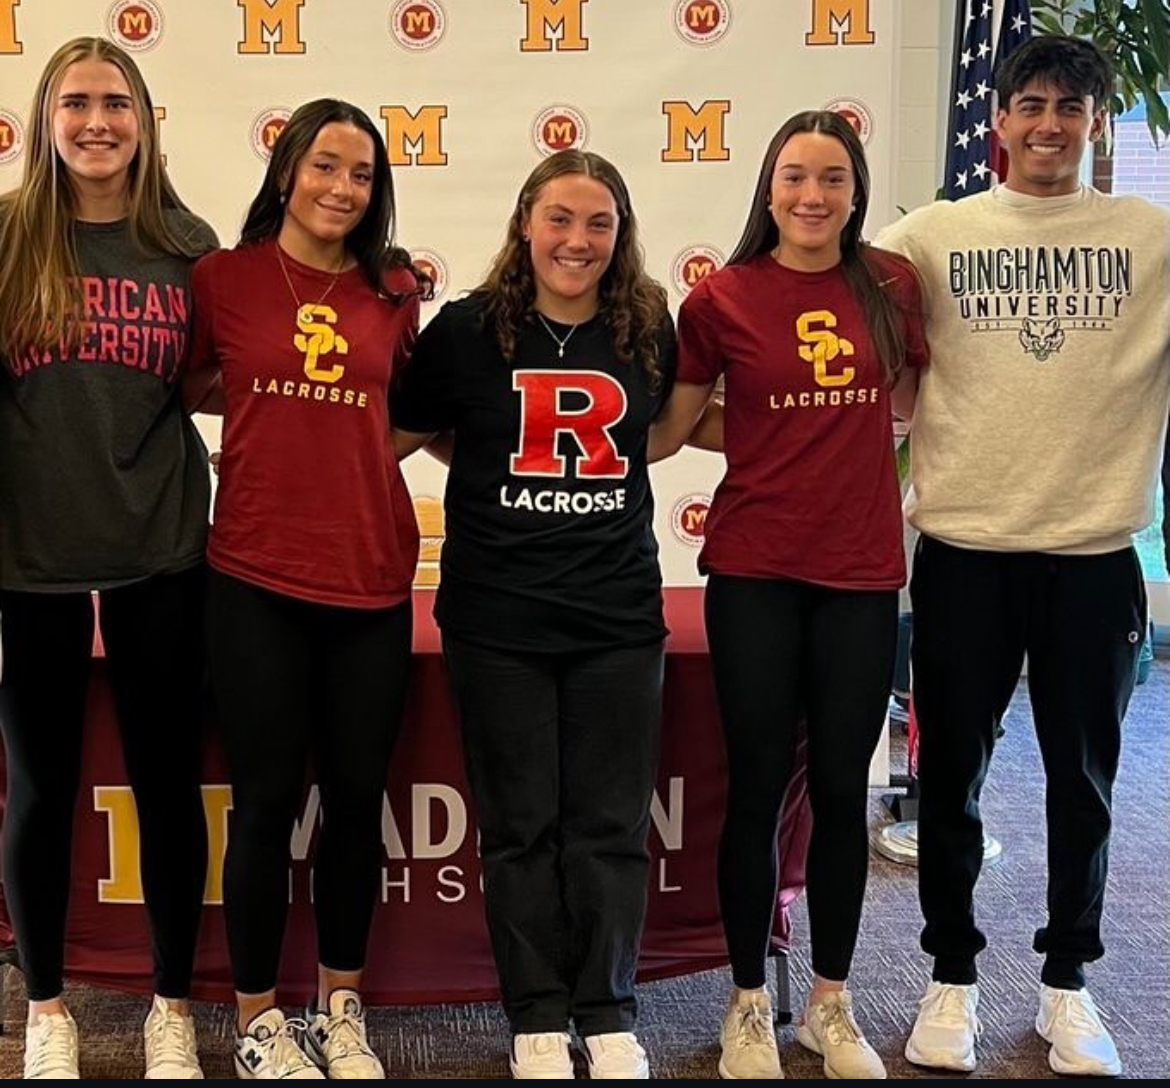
(312, 554)
(816, 335)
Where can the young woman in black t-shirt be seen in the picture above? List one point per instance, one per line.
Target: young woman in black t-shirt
(548, 376)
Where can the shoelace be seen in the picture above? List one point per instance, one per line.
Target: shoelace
(949, 1006)
(346, 1037)
(281, 1047)
(172, 1032)
(840, 1026)
(1078, 1012)
(52, 1045)
(755, 1027)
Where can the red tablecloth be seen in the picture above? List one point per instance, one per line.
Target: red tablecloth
(429, 942)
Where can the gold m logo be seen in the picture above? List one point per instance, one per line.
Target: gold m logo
(422, 131)
(418, 22)
(428, 513)
(317, 338)
(825, 347)
(7, 135)
(695, 519)
(124, 884)
(700, 16)
(830, 16)
(702, 128)
(697, 268)
(135, 23)
(9, 42)
(271, 26)
(544, 16)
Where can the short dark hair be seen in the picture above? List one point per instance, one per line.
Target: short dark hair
(1074, 65)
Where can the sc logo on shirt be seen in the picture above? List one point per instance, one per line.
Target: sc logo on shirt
(821, 346)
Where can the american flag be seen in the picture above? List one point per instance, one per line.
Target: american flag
(990, 30)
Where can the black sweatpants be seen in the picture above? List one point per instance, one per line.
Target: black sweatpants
(562, 753)
(1081, 621)
(781, 649)
(294, 679)
(152, 631)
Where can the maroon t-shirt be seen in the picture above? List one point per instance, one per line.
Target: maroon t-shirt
(310, 501)
(810, 492)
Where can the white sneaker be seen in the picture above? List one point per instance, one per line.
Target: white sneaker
(337, 1042)
(1081, 1044)
(827, 1028)
(50, 1048)
(747, 1037)
(616, 1056)
(170, 1044)
(946, 1029)
(541, 1055)
(270, 1051)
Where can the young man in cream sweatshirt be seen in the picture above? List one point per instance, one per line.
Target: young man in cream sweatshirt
(1036, 445)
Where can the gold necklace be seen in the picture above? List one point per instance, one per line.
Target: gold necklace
(560, 343)
(305, 309)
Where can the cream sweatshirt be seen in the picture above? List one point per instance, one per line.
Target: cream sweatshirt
(1041, 419)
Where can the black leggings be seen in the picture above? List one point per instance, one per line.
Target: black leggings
(780, 649)
(152, 631)
(294, 679)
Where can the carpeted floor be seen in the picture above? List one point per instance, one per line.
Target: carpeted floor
(680, 1016)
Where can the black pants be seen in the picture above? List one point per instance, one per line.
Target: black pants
(292, 679)
(152, 631)
(562, 753)
(779, 650)
(1080, 620)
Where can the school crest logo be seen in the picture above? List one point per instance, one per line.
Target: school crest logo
(857, 113)
(11, 137)
(269, 124)
(431, 264)
(417, 25)
(693, 264)
(688, 519)
(559, 128)
(702, 22)
(136, 25)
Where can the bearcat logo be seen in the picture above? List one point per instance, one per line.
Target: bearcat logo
(428, 512)
(428, 262)
(271, 26)
(702, 22)
(856, 113)
(688, 519)
(269, 124)
(417, 25)
(840, 22)
(11, 137)
(692, 132)
(9, 42)
(545, 16)
(559, 128)
(136, 24)
(693, 264)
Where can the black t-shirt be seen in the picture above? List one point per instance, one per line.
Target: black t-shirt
(549, 515)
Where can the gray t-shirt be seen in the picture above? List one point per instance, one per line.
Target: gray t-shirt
(103, 476)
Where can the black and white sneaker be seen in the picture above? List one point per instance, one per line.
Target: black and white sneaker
(270, 1051)
(337, 1041)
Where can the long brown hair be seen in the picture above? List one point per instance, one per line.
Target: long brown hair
(371, 242)
(862, 269)
(631, 303)
(38, 256)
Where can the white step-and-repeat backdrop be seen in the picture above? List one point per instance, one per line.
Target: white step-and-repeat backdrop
(682, 95)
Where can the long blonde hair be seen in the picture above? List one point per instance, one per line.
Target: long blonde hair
(38, 257)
